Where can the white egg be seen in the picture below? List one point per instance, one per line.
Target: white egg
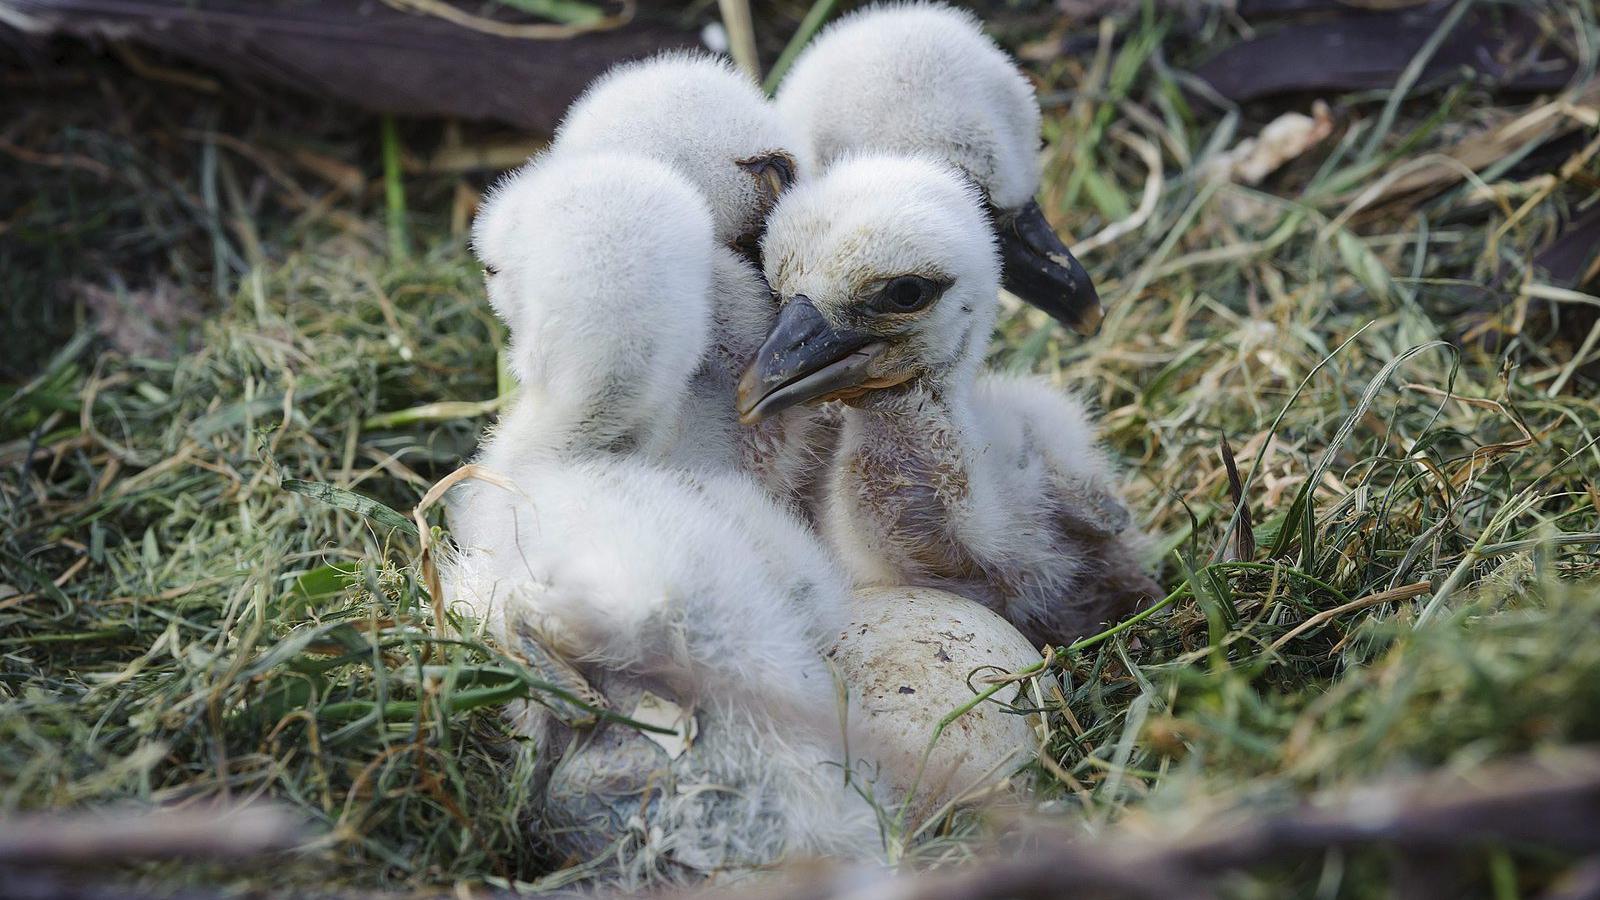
(907, 657)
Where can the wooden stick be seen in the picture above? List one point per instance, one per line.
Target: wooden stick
(100, 838)
(1544, 801)
(736, 20)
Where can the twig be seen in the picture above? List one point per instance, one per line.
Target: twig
(82, 839)
(1153, 184)
(815, 16)
(1552, 803)
(741, 36)
(1404, 592)
(516, 30)
(57, 160)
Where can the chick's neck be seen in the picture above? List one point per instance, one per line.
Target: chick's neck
(921, 427)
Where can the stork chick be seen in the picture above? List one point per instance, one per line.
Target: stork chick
(713, 125)
(923, 79)
(693, 587)
(990, 488)
(600, 266)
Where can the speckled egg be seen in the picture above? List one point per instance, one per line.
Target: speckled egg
(907, 657)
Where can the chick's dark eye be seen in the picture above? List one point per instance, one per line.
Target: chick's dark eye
(490, 271)
(908, 293)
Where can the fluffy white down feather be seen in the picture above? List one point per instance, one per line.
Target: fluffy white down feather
(601, 268)
(918, 78)
(695, 588)
(709, 122)
(698, 114)
(698, 581)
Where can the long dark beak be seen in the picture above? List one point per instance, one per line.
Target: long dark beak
(1041, 270)
(804, 358)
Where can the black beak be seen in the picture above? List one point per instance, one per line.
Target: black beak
(803, 359)
(1041, 270)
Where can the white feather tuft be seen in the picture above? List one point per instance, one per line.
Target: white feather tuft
(918, 78)
(696, 113)
(601, 269)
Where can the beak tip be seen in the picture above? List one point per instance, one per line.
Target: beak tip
(1088, 323)
(1041, 270)
(804, 359)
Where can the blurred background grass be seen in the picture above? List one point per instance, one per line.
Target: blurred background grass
(243, 336)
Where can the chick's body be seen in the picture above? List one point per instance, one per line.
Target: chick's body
(998, 493)
(695, 587)
(990, 487)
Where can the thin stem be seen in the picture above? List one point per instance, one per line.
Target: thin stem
(815, 16)
(394, 190)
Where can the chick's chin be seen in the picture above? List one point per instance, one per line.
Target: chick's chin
(873, 391)
(893, 374)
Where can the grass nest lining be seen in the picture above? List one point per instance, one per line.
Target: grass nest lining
(208, 577)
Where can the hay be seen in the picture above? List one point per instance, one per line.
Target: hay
(181, 624)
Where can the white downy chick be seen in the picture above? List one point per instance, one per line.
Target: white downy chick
(992, 488)
(696, 587)
(923, 79)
